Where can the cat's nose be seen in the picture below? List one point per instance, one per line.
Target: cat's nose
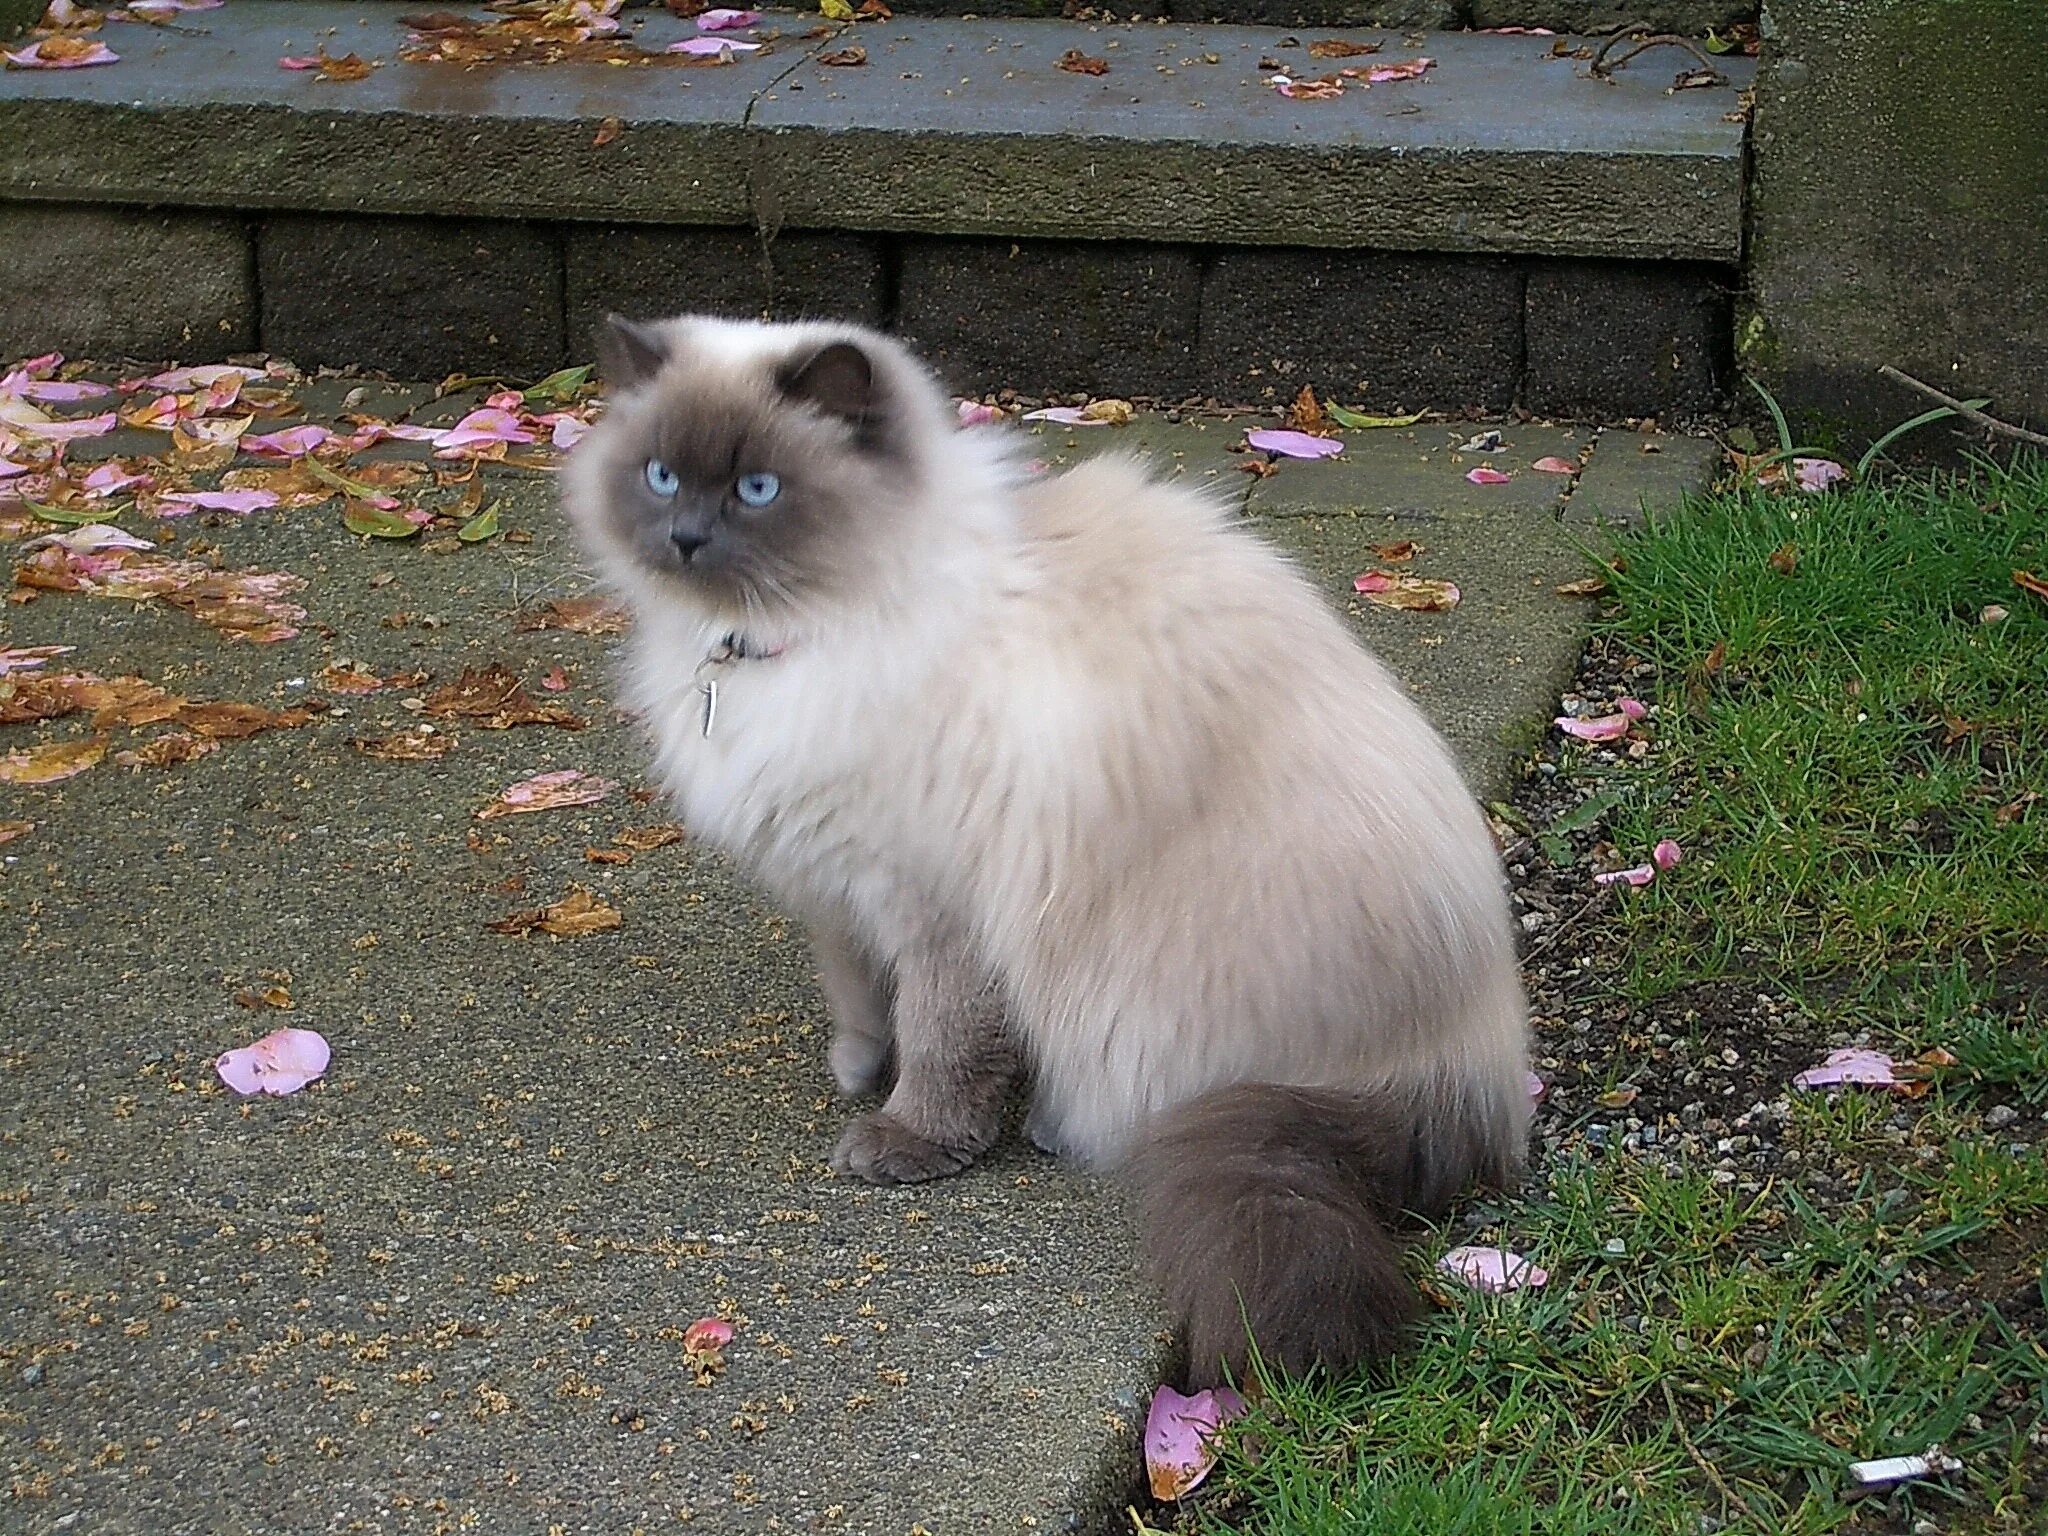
(687, 540)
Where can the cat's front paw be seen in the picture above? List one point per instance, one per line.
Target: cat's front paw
(883, 1150)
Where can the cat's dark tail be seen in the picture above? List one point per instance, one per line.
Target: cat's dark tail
(1269, 1210)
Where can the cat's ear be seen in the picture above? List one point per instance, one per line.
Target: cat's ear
(837, 379)
(629, 353)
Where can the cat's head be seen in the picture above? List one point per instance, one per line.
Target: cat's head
(755, 469)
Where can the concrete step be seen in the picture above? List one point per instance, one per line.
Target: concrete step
(1196, 227)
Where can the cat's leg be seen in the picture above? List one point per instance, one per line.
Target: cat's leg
(954, 1068)
(857, 992)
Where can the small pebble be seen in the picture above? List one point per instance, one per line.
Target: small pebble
(2000, 1116)
(31, 1374)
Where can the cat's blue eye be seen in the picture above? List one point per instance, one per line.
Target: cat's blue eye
(757, 490)
(662, 480)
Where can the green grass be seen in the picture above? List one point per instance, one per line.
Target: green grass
(1847, 846)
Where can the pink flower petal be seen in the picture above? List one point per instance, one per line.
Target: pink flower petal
(35, 56)
(487, 424)
(973, 413)
(723, 20)
(1538, 1089)
(56, 392)
(1379, 74)
(1486, 474)
(183, 503)
(1640, 874)
(26, 658)
(1635, 709)
(9, 469)
(708, 46)
(1667, 854)
(299, 61)
(1817, 474)
(1601, 728)
(111, 477)
(65, 431)
(1294, 445)
(203, 376)
(1853, 1065)
(565, 429)
(1551, 464)
(1180, 1437)
(34, 368)
(548, 792)
(290, 443)
(91, 536)
(1492, 1269)
(1066, 416)
(707, 1333)
(283, 1061)
(164, 10)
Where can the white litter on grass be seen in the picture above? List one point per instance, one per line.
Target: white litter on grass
(1935, 1462)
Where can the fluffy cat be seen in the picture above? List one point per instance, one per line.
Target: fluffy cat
(1067, 770)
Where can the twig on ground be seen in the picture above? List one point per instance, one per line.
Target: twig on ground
(1601, 69)
(1706, 1466)
(1969, 413)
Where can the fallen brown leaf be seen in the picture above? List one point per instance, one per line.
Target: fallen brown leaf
(607, 131)
(2027, 581)
(494, 697)
(1398, 589)
(52, 761)
(1395, 554)
(290, 483)
(590, 615)
(348, 68)
(1337, 48)
(410, 747)
(10, 830)
(1585, 586)
(1785, 559)
(578, 914)
(275, 996)
(845, 58)
(167, 751)
(607, 856)
(646, 839)
(1075, 62)
(224, 720)
(1306, 414)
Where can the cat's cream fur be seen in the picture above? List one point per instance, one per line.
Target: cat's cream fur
(1078, 762)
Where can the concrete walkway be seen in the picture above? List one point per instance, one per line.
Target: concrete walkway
(444, 1288)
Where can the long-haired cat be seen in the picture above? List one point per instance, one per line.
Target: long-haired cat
(1067, 768)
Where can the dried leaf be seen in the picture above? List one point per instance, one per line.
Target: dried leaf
(223, 720)
(845, 58)
(1075, 62)
(607, 131)
(1339, 48)
(1785, 559)
(51, 762)
(1306, 415)
(646, 839)
(1398, 589)
(346, 69)
(1395, 554)
(547, 792)
(591, 615)
(10, 830)
(167, 751)
(576, 915)
(1585, 586)
(410, 747)
(2027, 581)
(495, 699)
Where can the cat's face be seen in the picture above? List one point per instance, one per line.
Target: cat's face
(753, 482)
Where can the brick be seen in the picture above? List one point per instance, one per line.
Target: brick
(418, 298)
(1380, 330)
(1053, 315)
(117, 282)
(1611, 339)
(649, 272)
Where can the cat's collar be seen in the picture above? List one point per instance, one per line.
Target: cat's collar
(735, 647)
